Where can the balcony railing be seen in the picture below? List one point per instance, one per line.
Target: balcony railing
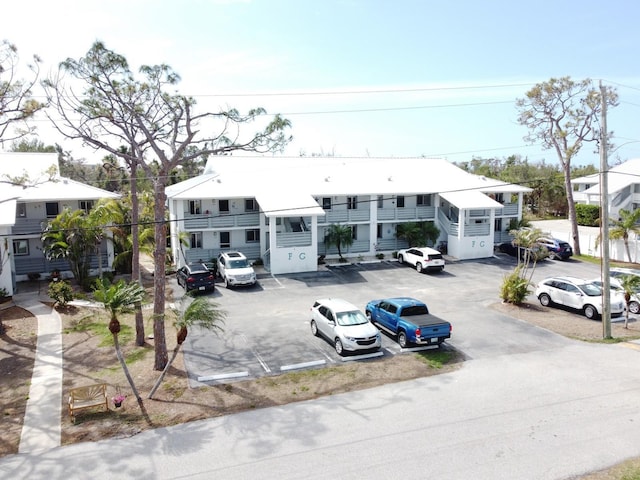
(345, 216)
(293, 239)
(25, 226)
(202, 222)
(509, 210)
(417, 213)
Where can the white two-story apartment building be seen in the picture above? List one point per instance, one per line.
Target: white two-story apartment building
(278, 209)
(25, 210)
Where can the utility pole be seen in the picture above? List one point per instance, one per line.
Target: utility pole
(604, 220)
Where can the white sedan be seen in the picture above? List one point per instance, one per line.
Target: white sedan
(578, 294)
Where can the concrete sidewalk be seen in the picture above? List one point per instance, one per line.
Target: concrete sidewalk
(41, 429)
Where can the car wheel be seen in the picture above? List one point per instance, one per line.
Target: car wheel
(402, 339)
(400, 259)
(545, 300)
(590, 312)
(634, 307)
(419, 267)
(339, 348)
(314, 328)
(553, 256)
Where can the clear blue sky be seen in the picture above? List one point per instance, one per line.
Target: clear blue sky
(362, 77)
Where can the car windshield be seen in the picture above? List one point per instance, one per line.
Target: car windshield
(351, 318)
(591, 289)
(238, 264)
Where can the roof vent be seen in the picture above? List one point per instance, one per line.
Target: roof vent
(390, 179)
(327, 179)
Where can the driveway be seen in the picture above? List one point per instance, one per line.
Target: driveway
(267, 327)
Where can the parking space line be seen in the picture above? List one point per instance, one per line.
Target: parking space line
(223, 376)
(295, 366)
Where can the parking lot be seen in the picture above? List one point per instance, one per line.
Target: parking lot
(267, 328)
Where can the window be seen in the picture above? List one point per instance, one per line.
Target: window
(423, 200)
(380, 201)
(223, 206)
(352, 203)
(253, 235)
(379, 230)
(400, 201)
(354, 232)
(86, 205)
(196, 240)
(52, 209)
(21, 209)
(326, 203)
(225, 240)
(21, 247)
(250, 205)
(195, 207)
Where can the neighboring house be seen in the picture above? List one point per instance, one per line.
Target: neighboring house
(623, 186)
(623, 192)
(24, 212)
(278, 209)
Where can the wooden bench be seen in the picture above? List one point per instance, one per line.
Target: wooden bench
(89, 396)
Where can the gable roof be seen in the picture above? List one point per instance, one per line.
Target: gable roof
(619, 177)
(45, 182)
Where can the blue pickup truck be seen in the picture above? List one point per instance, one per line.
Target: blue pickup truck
(409, 320)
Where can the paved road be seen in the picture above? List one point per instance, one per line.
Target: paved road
(533, 405)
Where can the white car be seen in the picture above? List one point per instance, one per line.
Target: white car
(344, 325)
(578, 294)
(423, 258)
(235, 269)
(616, 286)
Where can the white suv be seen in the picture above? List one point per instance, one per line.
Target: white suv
(344, 325)
(235, 269)
(423, 258)
(577, 294)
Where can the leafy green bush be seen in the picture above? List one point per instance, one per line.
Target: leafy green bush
(588, 215)
(61, 292)
(514, 288)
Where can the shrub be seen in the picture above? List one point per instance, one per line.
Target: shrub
(61, 292)
(588, 215)
(3, 293)
(33, 276)
(379, 256)
(514, 288)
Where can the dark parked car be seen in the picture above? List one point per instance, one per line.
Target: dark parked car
(538, 252)
(558, 249)
(196, 276)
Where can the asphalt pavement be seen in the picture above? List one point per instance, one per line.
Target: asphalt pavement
(527, 403)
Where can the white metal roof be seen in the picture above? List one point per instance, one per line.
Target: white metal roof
(273, 177)
(618, 178)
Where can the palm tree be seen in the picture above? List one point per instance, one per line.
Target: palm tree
(200, 312)
(119, 298)
(626, 224)
(515, 286)
(417, 234)
(630, 285)
(71, 236)
(340, 236)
